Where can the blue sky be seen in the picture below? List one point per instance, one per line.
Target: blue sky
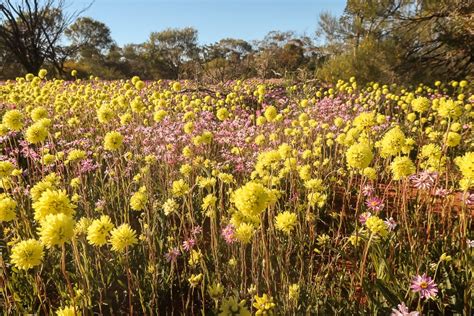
(131, 21)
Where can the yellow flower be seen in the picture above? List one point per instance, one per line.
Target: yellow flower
(7, 209)
(75, 154)
(270, 113)
(159, 115)
(251, 199)
(232, 307)
(104, 114)
(377, 226)
(209, 202)
(176, 86)
(195, 257)
(50, 182)
(359, 156)
(244, 233)
(222, 114)
(36, 133)
(294, 292)
(98, 230)
(13, 120)
(264, 305)
(113, 141)
(392, 143)
(123, 237)
(139, 199)
(42, 73)
(286, 222)
(420, 104)
(6, 168)
(449, 108)
(38, 113)
(53, 202)
(27, 254)
(56, 229)
(194, 280)
(180, 188)
(66, 311)
(402, 167)
(453, 139)
(215, 290)
(170, 206)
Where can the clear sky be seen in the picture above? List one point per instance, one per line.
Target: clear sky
(131, 21)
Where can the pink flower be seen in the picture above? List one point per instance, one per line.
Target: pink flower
(189, 244)
(424, 180)
(364, 217)
(368, 190)
(196, 230)
(228, 233)
(172, 254)
(425, 285)
(375, 204)
(402, 310)
(390, 222)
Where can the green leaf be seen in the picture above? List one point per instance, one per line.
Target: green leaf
(388, 294)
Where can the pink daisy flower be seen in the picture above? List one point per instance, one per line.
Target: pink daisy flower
(425, 285)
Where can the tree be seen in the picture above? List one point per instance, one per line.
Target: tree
(226, 59)
(168, 50)
(31, 30)
(90, 37)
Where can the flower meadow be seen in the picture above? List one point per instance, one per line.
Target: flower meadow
(242, 198)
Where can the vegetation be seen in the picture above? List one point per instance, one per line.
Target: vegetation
(393, 41)
(246, 197)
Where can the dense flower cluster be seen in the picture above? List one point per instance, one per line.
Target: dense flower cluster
(245, 197)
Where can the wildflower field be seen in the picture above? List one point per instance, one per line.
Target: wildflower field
(249, 197)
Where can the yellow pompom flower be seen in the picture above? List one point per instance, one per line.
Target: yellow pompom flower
(105, 114)
(222, 114)
(122, 237)
(38, 113)
(286, 222)
(251, 199)
(56, 229)
(420, 104)
(402, 167)
(180, 188)
(13, 120)
(377, 226)
(359, 155)
(449, 109)
(6, 168)
(466, 165)
(244, 233)
(270, 113)
(66, 311)
(113, 141)
(7, 209)
(139, 199)
(36, 133)
(392, 143)
(53, 202)
(176, 86)
(453, 139)
(264, 305)
(159, 115)
(27, 254)
(232, 307)
(42, 73)
(98, 230)
(370, 173)
(195, 280)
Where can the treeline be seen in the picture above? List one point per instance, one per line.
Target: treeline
(377, 40)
